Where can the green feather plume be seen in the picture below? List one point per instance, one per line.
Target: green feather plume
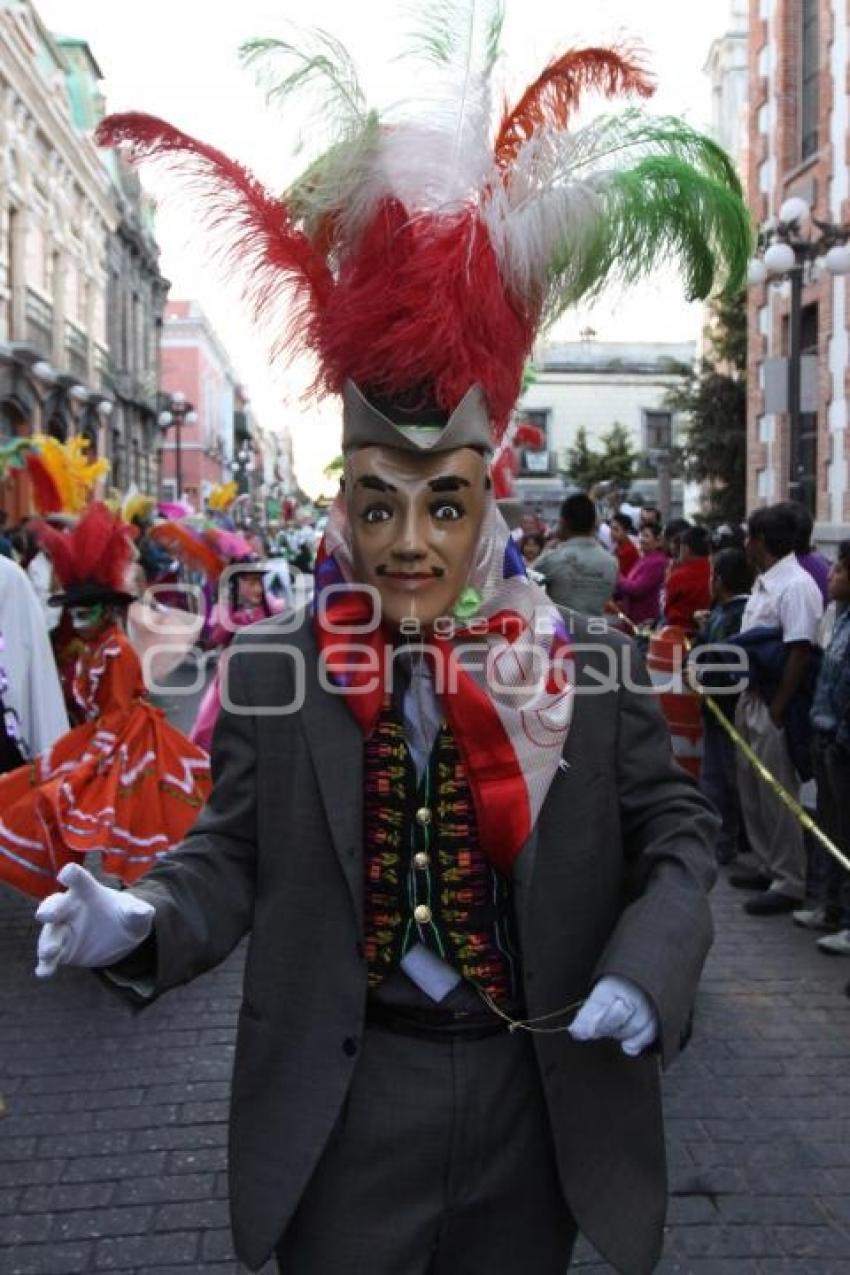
(618, 198)
(324, 67)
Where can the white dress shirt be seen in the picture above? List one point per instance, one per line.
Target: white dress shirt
(785, 596)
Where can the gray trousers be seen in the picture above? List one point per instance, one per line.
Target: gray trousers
(441, 1164)
(774, 833)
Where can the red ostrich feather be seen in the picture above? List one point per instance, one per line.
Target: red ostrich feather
(422, 304)
(46, 496)
(262, 245)
(554, 95)
(99, 549)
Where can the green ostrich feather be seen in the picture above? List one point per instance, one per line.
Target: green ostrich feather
(324, 66)
(682, 203)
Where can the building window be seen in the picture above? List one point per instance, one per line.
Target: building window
(657, 430)
(804, 445)
(809, 74)
(535, 460)
(13, 279)
(116, 460)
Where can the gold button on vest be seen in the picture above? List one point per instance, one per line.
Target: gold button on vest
(423, 815)
(422, 914)
(422, 860)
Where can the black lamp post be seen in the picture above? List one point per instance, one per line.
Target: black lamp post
(788, 248)
(178, 412)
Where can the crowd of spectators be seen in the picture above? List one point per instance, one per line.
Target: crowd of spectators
(779, 611)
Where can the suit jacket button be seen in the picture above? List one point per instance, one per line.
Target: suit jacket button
(349, 1046)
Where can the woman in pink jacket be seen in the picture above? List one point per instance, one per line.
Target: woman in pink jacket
(638, 594)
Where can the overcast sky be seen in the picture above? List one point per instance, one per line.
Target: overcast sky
(177, 58)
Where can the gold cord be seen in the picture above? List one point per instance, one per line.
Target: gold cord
(526, 1024)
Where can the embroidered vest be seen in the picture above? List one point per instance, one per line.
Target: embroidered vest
(426, 877)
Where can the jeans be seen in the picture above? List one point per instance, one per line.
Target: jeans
(719, 783)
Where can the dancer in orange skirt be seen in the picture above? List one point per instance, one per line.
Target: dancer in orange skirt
(125, 783)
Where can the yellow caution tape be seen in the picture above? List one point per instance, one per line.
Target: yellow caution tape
(775, 786)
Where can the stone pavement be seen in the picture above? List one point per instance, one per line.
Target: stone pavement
(112, 1147)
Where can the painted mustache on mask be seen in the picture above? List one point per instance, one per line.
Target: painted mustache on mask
(383, 570)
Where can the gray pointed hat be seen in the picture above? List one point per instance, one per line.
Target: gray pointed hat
(366, 425)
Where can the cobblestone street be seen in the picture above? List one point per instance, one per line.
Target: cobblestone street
(112, 1149)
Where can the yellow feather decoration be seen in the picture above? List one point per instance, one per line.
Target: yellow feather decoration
(72, 473)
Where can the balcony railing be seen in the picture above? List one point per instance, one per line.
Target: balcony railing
(102, 368)
(38, 315)
(76, 351)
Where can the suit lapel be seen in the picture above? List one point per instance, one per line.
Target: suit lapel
(523, 871)
(336, 748)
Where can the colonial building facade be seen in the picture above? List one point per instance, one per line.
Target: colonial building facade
(136, 295)
(593, 385)
(199, 388)
(799, 144)
(56, 214)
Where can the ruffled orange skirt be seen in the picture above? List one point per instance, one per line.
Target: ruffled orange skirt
(128, 786)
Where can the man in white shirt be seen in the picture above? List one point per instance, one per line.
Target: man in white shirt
(785, 597)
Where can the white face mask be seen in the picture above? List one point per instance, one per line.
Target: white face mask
(86, 617)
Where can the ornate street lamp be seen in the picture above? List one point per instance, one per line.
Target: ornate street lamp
(177, 412)
(794, 246)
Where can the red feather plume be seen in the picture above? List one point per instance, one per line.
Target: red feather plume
(46, 496)
(422, 304)
(554, 95)
(98, 549)
(263, 245)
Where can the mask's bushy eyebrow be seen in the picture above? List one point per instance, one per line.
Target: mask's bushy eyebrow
(448, 482)
(374, 483)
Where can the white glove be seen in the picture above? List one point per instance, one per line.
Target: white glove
(618, 1009)
(90, 924)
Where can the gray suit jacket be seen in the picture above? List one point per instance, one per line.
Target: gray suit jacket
(613, 881)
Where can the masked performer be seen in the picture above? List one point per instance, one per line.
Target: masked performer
(124, 783)
(243, 600)
(425, 822)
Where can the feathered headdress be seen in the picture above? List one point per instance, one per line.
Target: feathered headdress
(203, 546)
(137, 507)
(62, 476)
(222, 496)
(422, 251)
(90, 559)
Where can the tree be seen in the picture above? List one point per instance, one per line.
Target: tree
(615, 463)
(714, 400)
(582, 461)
